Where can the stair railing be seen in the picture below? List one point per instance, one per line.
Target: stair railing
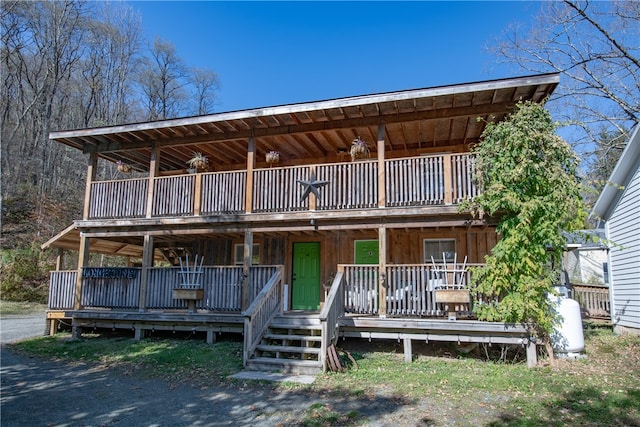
(266, 305)
(332, 310)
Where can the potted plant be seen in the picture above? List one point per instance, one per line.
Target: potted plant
(359, 149)
(123, 167)
(199, 162)
(272, 157)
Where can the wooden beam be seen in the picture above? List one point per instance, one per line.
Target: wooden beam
(197, 200)
(251, 163)
(382, 175)
(91, 176)
(246, 268)
(448, 181)
(83, 259)
(147, 263)
(154, 167)
(382, 265)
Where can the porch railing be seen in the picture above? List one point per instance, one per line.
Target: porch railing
(594, 300)
(332, 310)
(266, 305)
(62, 285)
(410, 288)
(417, 181)
(222, 286)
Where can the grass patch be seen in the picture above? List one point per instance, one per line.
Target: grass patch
(20, 307)
(175, 360)
(603, 389)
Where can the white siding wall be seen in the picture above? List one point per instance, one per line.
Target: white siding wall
(624, 232)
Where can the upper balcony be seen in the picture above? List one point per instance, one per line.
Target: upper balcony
(435, 180)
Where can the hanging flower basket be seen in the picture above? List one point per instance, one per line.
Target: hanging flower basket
(123, 167)
(272, 157)
(199, 162)
(359, 150)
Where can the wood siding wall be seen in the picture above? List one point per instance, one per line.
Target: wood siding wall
(624, 232)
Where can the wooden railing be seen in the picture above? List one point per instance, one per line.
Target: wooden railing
(266, 305)
(410, 289)
(111, 292)
(61, 289)
(222, 287)
(350, 185)
(174, 195)
(118, 199)
(223, 193)
(278, 190)
(594, 300)
(332, 310)
(417, 181)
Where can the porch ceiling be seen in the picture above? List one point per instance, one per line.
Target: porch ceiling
(416, 121)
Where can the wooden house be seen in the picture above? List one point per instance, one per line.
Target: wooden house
(309, 222)
(619, 207)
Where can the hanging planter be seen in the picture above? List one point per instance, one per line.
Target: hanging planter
(272, 157)
(359, 150)
(123, 167)
(199, 162)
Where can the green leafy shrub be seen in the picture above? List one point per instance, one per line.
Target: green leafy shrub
(25, 275)
(530, 184)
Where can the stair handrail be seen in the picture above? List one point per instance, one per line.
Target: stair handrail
(266, 305)
(332, 310)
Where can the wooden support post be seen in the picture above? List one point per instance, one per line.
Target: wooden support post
(197, 197)
(408, 354)
(83, 259)
(382, 177)
(313, 201)
(154, 165)
(147, 263)
(382, 270)
(60, 259)
(251, 164)
(91, 176)
(246, 270)
(448, 181)
(211, 337)
(532, 354)
(138, 334)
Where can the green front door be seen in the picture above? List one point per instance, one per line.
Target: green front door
(306, 276)
(366, 252)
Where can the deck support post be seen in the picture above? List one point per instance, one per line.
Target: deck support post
(532, 355)
(147, 263)
(211, 337)
(408, 355)
(246, 269)
(138, 335)
(382, 269)
(154, 165)
(382, 180)
(83, 259)
(251, 163)
(91, 176)
(447, 179)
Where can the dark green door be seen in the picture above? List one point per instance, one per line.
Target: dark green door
(366, 252)
(306, 276)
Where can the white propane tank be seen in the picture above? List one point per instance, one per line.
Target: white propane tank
(567, 338)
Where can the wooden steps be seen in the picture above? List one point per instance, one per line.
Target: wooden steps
(290, 345)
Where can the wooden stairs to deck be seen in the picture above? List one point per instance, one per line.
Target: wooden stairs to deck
(291, 344)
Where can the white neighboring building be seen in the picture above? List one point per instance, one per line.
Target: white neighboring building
(619, 206)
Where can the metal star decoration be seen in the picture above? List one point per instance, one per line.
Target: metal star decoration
(311, 186)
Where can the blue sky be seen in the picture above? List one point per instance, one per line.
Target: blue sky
(276, 53)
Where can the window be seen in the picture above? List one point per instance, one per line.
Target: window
(238, 257)
(437, 247)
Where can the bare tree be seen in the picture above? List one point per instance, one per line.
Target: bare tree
(204, 83)
(596, 47)
(162, 79)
